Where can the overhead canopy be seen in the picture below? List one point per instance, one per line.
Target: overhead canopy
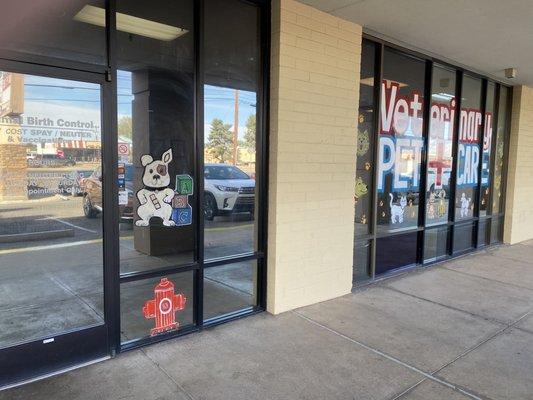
(484, 35)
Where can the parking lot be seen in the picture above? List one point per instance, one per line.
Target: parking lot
(52, 279)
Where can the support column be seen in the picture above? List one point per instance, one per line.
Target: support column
(314, 105)
(519, 193)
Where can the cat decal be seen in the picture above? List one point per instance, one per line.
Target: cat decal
(397, 211)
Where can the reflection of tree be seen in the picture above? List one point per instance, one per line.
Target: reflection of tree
(125, 127)
(249, 133)
(220, 140)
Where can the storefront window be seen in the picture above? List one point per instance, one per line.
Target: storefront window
(156, 139)
(484, 206)
(500, 150)
(232, 66)
(51, 274)
(64, 30)
(468, 149)
(440, 145)
(463, 163)
(400, 141)
(365, 142)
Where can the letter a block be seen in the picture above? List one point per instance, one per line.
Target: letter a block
(184, 185)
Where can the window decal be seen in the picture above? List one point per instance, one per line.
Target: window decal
(156, 197)
(163, 307)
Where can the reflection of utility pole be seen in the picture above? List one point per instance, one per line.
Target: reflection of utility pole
(236, 127)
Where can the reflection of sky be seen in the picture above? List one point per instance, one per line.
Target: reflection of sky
(85, 97)
(219, 103)
(62, 92)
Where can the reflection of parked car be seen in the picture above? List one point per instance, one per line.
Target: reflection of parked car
(72, 182)
(92, 195)
(227, 190)
(50, 160)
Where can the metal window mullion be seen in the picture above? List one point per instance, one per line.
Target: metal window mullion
(198, 297)
(110, 187)
(455, 147)
(378, 78)
(424, 160)
(477, 207)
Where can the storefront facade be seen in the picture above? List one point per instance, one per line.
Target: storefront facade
(142, 144)
(430, 175)
(133, 175)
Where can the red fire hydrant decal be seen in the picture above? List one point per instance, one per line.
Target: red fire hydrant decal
(164, 306)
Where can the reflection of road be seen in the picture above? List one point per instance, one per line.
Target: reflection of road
(51, 285)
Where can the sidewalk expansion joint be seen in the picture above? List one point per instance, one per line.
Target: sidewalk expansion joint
(426, 375)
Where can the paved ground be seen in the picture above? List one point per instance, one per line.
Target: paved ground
(460, 330)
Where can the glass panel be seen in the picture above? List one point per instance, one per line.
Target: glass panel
(496, 230)
(395, 252)
(51, 279)
(436, 244)
(72, 30)
(365, 142)
(482, 239)
(156, 143)
(155, 306)
(229, 288)
(440, 145)
(487, 149)
(463, 237)
(232, 66)
(500, 149)
(468, 149)
(361, 261)
(400, 141)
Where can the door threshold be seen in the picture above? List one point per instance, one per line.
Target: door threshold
(54, 373)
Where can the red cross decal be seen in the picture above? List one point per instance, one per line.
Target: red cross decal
(440, 165)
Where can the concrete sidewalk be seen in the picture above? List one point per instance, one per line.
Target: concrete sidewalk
(459, 330)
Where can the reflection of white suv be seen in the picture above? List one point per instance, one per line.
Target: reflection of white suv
(227, 190)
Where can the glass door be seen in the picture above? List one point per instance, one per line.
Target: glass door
(51, 226)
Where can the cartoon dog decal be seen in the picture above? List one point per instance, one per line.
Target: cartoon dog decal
(156, 196)
(465, 205)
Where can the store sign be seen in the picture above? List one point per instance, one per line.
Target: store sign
(468, 149)
(12, 94)
(400, 139)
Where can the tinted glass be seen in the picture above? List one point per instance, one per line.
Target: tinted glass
(361, 261)
(463, 237)
(484, 206)
(229, 288)
(69, 30)
(435, 244)
(440, 145)
(400, 141)
(365, 142)
(232, 65)
(468, 149)
(51, 275)
(395, 252)
(156, 143)
(500, 149)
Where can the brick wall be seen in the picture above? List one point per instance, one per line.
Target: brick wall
(13, 172)
(314, 101)
(519, 210)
